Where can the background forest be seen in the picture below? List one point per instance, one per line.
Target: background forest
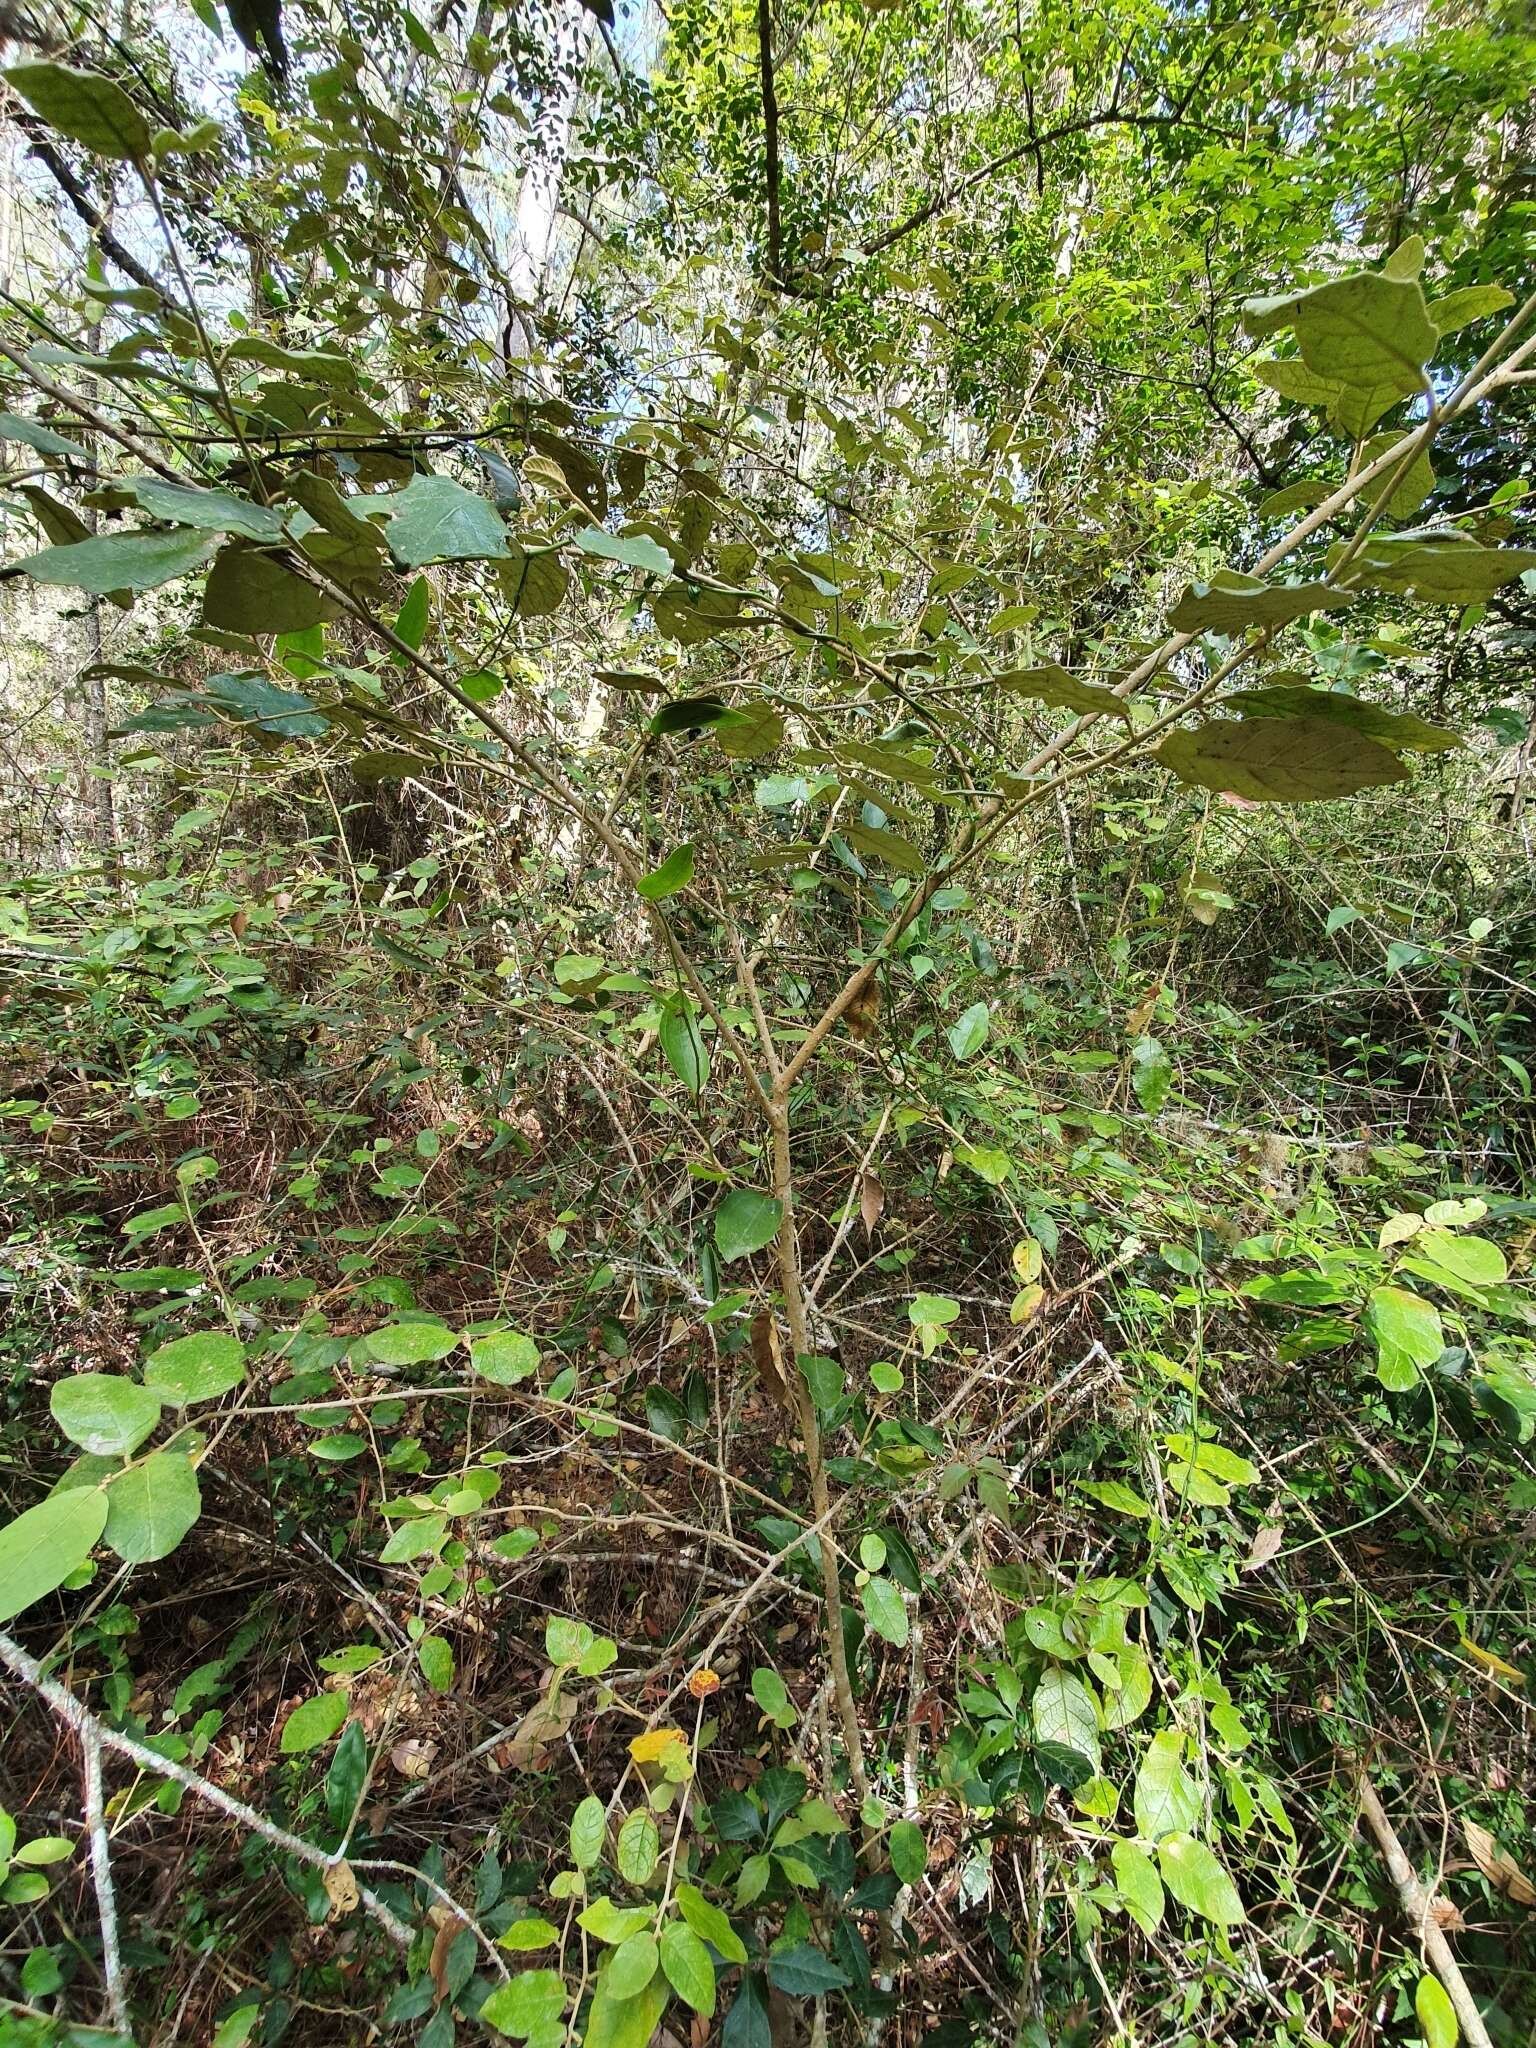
(766, 1023)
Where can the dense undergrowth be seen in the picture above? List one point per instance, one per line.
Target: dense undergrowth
(767, 1027)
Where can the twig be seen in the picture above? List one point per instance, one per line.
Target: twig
(1418, 1905)
(106, 1899)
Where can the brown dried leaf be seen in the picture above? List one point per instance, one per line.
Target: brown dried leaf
(340, 1889)
(768, 1357)
(1137, 1020)
(1265, 1543)
(537, 1733)
(450, 1927)
(412, 1758)
(871, 1202)
(1500, 1868)
(862, 1015)
(1447, 1914)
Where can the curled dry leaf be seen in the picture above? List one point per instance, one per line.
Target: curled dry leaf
(340, 1889)
(1137, 1020)
(1265, 1543)
(871, 1202)
(768, 1357)
(1498, 1866)
(412, 1758)
(537, 1733)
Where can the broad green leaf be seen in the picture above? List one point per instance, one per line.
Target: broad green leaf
(313, 1722)
(1369, 329)
(1167, 1800)
(691, 715)
(682, 1044)
(1064, 1711)
(1407, 1335)
(436, 520)
(1231, 602)
(1473, 302)
(196, 1368)
(40, 1549)
(1442, 567)
(909, 1851)
(531, 2004)
(1435, 2014)
(120, 561)
(748, 731)
(535, 581)
(249, 592)
(987, 1162)
(1396, 729)
(612, 1924)
(1151, 1073)
(435, 1656)
(690, 617)
(151, 1506)
(410, 1342)
(1280, 760)
(104, 1413)
(885, 1610)
(624, 2022)
(1138, 1884)
(1456, 1262)
(1197, 1880)
(968, 1033)
(43, 439)
(504, 1358)
(88, 108)
(632, 1964)
(710, 1924)
(637, 1848)
(524, 1936)
(745, 1222)
(588, 1828)
(688, 1968)
(209, 511)
(675, 873)
(772, 1695)
(887, 847)
(1410, 486)
(1051, 684)
(804, 1972)
(634, 550)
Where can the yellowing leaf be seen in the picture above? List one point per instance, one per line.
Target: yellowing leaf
(649, 1748)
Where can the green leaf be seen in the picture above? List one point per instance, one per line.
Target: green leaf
(1052, 685)
(505, 1357)
(523, 1936)
(1280, 760)
(624, 2022)
(1443, 566)
(314, 1722)
(1151, 1074)
(691, 715)
(196, 1368)
(746, 1221)
(710, 1924)
(249, 592)
(1473, 302)
(1167, 1799)
(968, 1033)
(885, 1610)
(1410, 486)
(804, 1972)
(634, 550)
(535, 581)
(88, 108)
(1435, 2014)
(1369, 329)
(632, 1964)
(1138, 1884)
(209, 511)
(675, 873)
(909, 1851)
(1395, 729)
(436, 520)
(435, 1656)
(682, 1044)
(1407, 1334)
(688, 1968)
(588, 1828)
(637, 1848)
(1230, 603)
(347, 1775)
(887, 847)
(40, 1549)
(151, 1506)
(103, 1413)
(772, 1695)
(43, 439)
(121, 561)
(1063, 1711)
(530, 2004)
(1198, 1881)
(410, 1342)
(606, 1922)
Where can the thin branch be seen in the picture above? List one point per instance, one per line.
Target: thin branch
(106, 1898)
(770, 140)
